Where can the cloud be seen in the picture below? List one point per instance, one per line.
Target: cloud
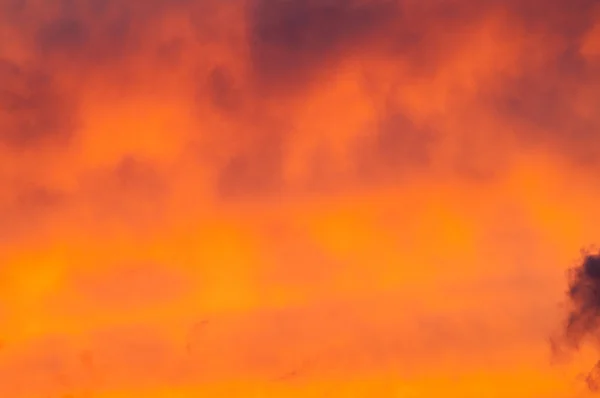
(583, 294)
(291, 40)
(460, 76)
(222, 90)
(34, 112)
(582, 324)
(171, 134)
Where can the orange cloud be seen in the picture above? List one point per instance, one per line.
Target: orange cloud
(372, 197)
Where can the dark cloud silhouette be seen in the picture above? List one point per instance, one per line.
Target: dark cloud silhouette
(593, 378)
(582, 324)
(583, 319)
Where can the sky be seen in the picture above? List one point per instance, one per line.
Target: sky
(299, 198)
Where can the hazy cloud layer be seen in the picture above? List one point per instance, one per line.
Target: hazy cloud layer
(169, 161)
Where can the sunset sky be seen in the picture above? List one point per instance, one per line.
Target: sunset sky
(295, 198)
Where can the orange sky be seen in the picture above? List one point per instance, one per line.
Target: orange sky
(294, 198)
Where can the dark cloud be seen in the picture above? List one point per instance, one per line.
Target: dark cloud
(543, 98)
(582, 324)
(291, 40)
(545, 108)
(293, 43)
(296, 44)
(559, 17)
(584, 297)
(593, 378)
(33, 111)
(84, 33)
(67, 35)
